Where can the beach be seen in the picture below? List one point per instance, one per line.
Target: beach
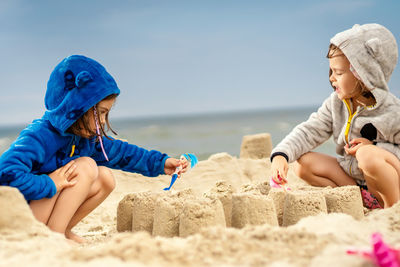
(243, 237)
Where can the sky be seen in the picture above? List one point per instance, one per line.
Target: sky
(181, 57)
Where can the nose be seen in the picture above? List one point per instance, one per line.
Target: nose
(332, 78)
(102, 120)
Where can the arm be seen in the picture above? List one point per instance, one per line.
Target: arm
(128, 157)
(307, 135)
(16, 166)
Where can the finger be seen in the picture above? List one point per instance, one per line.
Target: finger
(67, 166)
(70, 170)
(352, 143)
(283, 180)
(352, 150)
(70, 183)
(175, 162)
(283, 173)
(275, 179)
(184, 165)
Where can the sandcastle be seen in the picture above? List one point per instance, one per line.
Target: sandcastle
(256, 146)
(182, 213)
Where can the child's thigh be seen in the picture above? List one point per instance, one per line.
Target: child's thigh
(380, 168)
(42, 208)
(325, 166)
(371, 156)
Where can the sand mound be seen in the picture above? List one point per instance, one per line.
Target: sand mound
(256, 146)
(16, 214)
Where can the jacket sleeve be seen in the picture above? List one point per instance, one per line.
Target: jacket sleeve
(307, 135)
(393, 141)
(388, 124)
(393, 148)
(129, 157)
(16, 166)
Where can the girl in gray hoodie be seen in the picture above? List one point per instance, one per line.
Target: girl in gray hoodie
(361, 115)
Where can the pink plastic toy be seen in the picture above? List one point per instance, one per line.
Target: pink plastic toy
(382, 255)
(282, 183)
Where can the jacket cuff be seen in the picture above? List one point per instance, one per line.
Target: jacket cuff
(162, 171)
(53, 187)
(279, 154)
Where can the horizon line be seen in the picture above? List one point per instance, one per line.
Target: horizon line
(181, 115)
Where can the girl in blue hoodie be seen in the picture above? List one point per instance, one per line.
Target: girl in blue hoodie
(60, 162)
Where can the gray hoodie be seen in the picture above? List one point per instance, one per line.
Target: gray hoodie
(372, 51)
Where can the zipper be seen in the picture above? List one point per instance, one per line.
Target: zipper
(73, 147)
(349, 120)
(348, 128)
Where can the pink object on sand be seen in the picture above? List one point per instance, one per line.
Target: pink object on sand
(274, 184)
(382, 254)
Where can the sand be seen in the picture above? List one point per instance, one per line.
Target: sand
(222, 212)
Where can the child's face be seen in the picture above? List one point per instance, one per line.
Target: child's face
(103, 107)
(342, 79)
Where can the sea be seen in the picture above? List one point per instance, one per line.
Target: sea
(201, 134)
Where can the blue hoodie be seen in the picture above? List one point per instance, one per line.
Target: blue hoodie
(76, 84)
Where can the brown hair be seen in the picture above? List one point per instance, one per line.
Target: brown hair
(334, 51)
(83, 122)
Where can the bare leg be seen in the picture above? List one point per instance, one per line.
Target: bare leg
(318, 169)
(381, 171)
(57, 212)
(71, 198)
(101, 188)
(42, 208)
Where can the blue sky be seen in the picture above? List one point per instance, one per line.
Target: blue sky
(181, 57)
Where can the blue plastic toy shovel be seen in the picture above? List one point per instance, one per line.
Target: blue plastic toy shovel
(184, 157)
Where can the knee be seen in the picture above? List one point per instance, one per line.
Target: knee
(86, 167)
(302, 167)
(106, 178)
(367, 158)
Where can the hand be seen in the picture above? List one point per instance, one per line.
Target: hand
(184, 163)
(171, 164)
(62, 177)
(355, 144)
(279, 167)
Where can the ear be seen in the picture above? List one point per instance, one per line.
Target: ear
(83, 78)
(374, 47)
(69, 80)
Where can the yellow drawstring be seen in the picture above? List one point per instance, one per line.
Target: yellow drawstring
(72, 151)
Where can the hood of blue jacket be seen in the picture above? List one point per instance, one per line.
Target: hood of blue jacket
(76, 84)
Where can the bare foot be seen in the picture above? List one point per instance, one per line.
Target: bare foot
(71, 236)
